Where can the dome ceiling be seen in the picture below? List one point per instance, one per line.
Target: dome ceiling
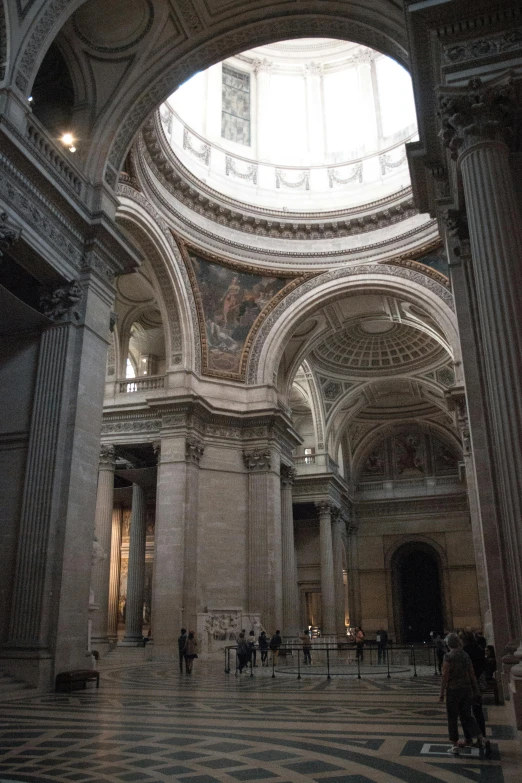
(377, 346)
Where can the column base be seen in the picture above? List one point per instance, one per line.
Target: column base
(515, 687)
(35, 667)
(131, 641)
(102, 646)
(508, 661)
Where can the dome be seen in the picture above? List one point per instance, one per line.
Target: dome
(377, 345)
(309, 125)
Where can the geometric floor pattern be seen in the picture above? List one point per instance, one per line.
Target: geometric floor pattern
(147, 723)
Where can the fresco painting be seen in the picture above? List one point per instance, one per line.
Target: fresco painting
(231, 300)
(436, 260)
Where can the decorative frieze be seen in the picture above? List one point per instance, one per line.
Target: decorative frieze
(203, 153)
(8, 235)
(356, 175)
(131, 426)
(257, 460)
(490, 46)
(387, 163)
(250, 175)
(303, 180)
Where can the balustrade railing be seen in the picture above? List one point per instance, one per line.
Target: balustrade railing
(369, 168)
(321, 460)
(420, 486)
(141, 384)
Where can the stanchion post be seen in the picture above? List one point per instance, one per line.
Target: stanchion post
(273, 664)
(328, 663)
(358, 667)
(298, 664)
(435, 670)
(387, 653)
(414, 662)
(227, 660)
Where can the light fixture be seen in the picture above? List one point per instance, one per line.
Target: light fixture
(72, 149)
(30, 99)
(67, 139)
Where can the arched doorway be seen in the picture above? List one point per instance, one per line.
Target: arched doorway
(418, 593)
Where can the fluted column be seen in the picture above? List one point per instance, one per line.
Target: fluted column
(114, 577)
(28, 621)
(325, 510)
(338, 568)
(262, 70)
(290, 594)
(264, 538)
(136, 572)
(315, 110)
(194, 450)
(476, 124)
(103, 534)
(354, 593)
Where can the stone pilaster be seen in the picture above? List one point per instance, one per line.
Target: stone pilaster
(264, 537)
(194, 450)
(103, 534)
(136, 573)
(328, 596)
(338, 536)
(354, 593)
(290, 594)
(114, 576)
(477, 121)
(262, 70)
(315, 110)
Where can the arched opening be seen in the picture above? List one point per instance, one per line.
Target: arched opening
(418, 588)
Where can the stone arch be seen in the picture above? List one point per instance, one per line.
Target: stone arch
(300, 304)
(199, 43)
(400, 548)
(155, 239)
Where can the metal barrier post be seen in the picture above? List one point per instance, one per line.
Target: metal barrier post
(358, 667)
(227, 660)
(435, 669)
(371, 657)
(251, 665)
(387, 653)
(328, 663)
(273, 663)
(298, 664)
(414, 663)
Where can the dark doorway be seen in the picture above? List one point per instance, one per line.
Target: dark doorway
(420, 595)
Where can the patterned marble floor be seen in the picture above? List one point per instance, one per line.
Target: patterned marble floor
(148, 723)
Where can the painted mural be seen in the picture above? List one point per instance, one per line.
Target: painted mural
(230, 301)
(407, 454)
(436, 260)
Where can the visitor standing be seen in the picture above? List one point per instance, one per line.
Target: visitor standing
(182, 638)
(252, 646)
(243, 652)
(359, 643)
(478, 661)
(275, 643)
(263, 648)
(459, 686)
(190, 651)
(381, 638)
(307, 646)
(440, 651)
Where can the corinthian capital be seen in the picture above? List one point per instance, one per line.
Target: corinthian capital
(58, 305)
(107, 453)
(288, 475)
(263, 65)
(327, 507)
(7, 235)
(257, 459)
(193, 450)
(477, 112)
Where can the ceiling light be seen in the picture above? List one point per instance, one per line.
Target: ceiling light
(67, 139)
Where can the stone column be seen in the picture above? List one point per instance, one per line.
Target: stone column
(290, 594)
(328, 596)
(264, 538)
(338, 536)
(477, 121)
(194, 449)
(315, 110)
(136, 572)
(262, 70)
(114, 578)
(366, 114)
(354, 593)
(103, 534)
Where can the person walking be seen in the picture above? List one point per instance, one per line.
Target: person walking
(459, 687)
(252, 646)
(381, 638)
(307, 647)
(182, 638)
(263, 648)
(243, 652)
(478, 661)
(190, 651)
(440, 651)
(275, 643)
(359, 643)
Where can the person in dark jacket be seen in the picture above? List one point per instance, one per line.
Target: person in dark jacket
(263, 648)
(190, 651)
(478, 660)
(182, 638)
(381, 637)
(275, 643)
(243, 652)
(252, 647)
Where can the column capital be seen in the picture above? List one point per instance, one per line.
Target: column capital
(288, 474)
(59, 305)
(264, 65)
(257, 460)
(327, 507)
(107, 455)
(313, 69)
(194, 449)
(7, 235)
(476, 113)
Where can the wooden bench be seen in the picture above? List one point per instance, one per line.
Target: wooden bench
(69, 681)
